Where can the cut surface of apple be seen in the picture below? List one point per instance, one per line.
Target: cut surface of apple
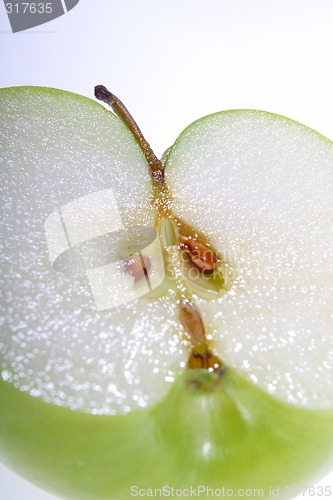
(88, 389)
(56, 344)
(259, 186)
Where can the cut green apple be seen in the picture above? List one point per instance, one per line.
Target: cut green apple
(198, 354)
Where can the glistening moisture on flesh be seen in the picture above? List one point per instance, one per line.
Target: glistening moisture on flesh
(261, 191)
(274, 324)
(54, 342)
(110, 365)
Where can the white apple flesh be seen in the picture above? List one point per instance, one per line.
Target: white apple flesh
(259, 188)
(110, 361)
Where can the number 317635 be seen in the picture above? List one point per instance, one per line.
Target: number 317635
(29, 8)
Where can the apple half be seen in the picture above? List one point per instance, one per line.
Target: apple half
(220, 375)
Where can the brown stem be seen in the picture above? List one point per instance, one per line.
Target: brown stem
(118, 107)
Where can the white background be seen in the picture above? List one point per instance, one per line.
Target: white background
(172, 61)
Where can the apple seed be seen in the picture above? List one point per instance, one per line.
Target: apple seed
(201, 256)
(137, 266)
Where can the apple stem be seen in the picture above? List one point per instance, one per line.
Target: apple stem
(103, 94)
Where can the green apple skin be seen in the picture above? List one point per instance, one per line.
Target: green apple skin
(221, 433)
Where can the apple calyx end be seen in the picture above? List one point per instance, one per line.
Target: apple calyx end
(200, 380)
(201, 356)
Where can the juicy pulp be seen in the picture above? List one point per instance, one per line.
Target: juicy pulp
(261, 190)
(55, 344)
(259, 187)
